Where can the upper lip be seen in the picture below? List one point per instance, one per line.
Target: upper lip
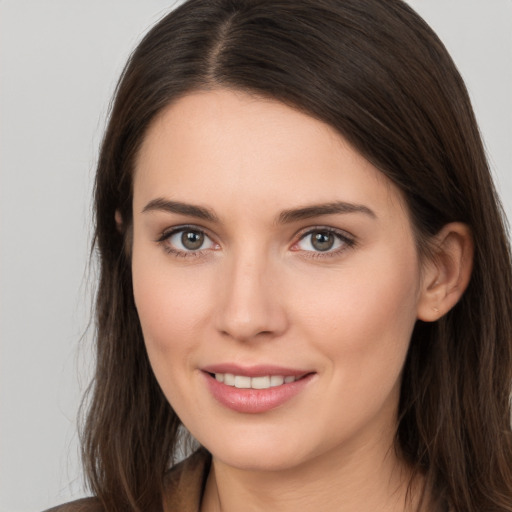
(259, 370)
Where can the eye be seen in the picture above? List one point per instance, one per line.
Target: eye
(186, 240)
(323, 240)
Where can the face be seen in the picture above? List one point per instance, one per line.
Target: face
(276, 278)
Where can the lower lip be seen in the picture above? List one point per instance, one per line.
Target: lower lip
(253, 401)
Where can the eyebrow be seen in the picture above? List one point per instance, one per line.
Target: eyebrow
(285, 217)
(190, 210)
(316, 210)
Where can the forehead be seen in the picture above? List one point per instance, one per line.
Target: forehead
(220, 144)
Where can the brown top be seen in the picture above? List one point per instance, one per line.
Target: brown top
(184, 485)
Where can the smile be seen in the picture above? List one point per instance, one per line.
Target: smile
(261, 382)
(257, 389)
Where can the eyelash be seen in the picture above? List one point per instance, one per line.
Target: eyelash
(166, 235)
(347, 241)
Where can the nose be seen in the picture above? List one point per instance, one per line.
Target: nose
(249, 305)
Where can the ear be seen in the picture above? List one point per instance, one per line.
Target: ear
(119, 221)
(446, 272)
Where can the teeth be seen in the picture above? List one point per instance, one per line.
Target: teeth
(263, 382)
(260, 382)
(229, 379)
(276, 380)
(242, 382)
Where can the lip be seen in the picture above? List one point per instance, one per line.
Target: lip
(254, 401)
(255, 370)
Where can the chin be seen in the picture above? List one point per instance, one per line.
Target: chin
(258, 452)
(258, 460)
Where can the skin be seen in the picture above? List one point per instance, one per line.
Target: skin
(257, 292)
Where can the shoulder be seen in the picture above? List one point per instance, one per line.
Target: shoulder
(83, 505)
(184, 483)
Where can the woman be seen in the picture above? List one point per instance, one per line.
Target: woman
(304, 262)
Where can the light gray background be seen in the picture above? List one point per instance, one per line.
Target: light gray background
(59, 61)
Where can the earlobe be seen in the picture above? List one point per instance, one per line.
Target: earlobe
(119, 221)
(447, 272)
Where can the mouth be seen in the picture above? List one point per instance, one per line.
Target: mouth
(255, 389)
(259, 382)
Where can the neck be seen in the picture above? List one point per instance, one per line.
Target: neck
(356, 481)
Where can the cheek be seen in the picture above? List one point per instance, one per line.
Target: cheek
(172, 303)
(366, 313)
(362, 325)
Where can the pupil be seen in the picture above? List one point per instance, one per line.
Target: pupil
(322, 241)
(192, 240)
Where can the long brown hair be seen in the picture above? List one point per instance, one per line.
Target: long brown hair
(376, 72)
